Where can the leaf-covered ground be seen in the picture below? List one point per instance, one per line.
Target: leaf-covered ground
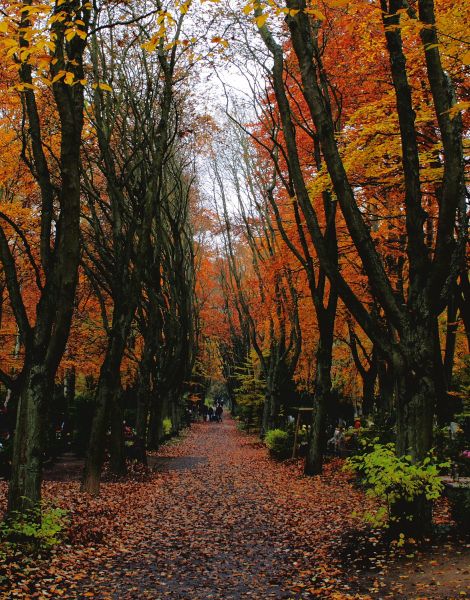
(219, 519)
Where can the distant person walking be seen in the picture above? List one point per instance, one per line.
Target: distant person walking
(336, 442)
(218, 413)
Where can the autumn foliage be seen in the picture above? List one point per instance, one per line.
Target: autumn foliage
(295, 249)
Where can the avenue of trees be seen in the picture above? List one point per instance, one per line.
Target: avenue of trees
(308, 247)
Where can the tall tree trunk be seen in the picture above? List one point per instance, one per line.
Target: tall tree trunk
(314, 458)
(108, 388)
(368, 387)
(158, 412)
(415, 372)
(25, 485)
(117, 457)
(451, 334)
(386, 379)
(143, 399)
(59, 210)
(69, 387)
(271, 407)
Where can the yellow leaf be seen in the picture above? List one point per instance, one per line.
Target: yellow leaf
(460, 106)
(103, 86)
(69, 78)
(315, 13)
(247, 9)
(466, 58)
(59, 75)
(9, 43)
(150, 45)
(3, 27)
(261, 20)
(219, 40)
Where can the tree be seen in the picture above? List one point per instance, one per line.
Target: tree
(48, 45)
(413, 354)
(272, 313)
(135, 128)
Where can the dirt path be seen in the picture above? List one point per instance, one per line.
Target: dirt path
(220, 520)
(226, 523)
(213, 532)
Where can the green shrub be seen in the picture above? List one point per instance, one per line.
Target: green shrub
(404, 489)
(36, 529)
(167, 426)
(250, 415)
(279, 443)
(368, 437)
(250, 393)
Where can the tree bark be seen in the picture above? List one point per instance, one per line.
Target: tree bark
(416, 391)
(143, 398)
(316, 442)
(45, 342)
(386, 397)
(108, 388)
(117, 456)
(24, 491)
(158, 412)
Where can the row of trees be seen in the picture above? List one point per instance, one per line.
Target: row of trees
(97, 249)
(348, 233)
(335, 251)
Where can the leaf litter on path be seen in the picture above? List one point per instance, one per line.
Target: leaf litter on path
(218, 519)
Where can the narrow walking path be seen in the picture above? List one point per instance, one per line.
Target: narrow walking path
(218, 519)
(224, 521)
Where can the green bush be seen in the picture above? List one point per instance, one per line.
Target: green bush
(167, 426)
(250, 393)
(250, 415)
(37, 530)
(404, 489)
(279, 443)
(368, 437)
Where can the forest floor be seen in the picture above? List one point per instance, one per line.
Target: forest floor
(218, 519)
